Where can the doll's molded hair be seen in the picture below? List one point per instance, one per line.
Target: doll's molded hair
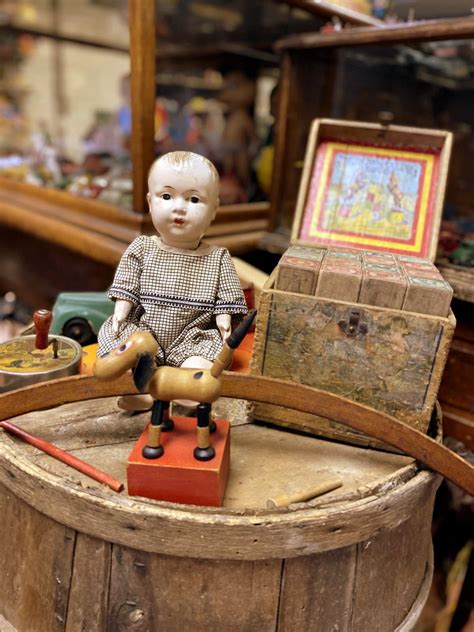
(180, 160)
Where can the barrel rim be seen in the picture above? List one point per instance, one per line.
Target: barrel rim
(179, 530)
(201, 532)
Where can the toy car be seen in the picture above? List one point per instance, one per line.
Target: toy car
(79, 315)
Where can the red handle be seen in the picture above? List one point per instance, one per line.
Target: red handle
(63, 456)
(42, 319)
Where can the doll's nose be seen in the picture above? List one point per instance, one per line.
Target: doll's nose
(179, 208)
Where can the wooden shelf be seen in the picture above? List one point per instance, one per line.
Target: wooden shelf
(94, 229)
(53, 241)
(405, 32)
(59, 37)
(331, 9)
(461, 279)
(102, 232)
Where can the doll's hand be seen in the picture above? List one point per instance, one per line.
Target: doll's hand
(121, 311)
(223, 325)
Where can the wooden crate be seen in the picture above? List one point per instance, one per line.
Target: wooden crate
(348, 320)
(396, 366)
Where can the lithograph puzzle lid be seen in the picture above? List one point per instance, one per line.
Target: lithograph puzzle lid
(373, 187)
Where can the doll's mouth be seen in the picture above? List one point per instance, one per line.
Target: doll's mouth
(178, 222)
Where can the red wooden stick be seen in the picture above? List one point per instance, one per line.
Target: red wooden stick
(63, 456)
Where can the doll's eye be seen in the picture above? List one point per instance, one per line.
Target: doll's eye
(194, 199)
(166, 196)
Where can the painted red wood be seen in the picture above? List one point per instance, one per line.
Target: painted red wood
(177, 476)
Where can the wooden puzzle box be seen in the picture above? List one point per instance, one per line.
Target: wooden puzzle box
(356, 306)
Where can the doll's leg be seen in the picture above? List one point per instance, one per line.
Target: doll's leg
(135, 403)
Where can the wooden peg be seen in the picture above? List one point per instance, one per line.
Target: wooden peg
(42, 320)
(303, 495)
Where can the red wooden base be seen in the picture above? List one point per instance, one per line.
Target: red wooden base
(177, 476)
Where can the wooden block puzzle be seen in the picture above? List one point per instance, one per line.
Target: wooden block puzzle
(384, 288)
(422, 269)
(383, 282)
(370, 278)
(306, 252)
(378, 257)
(339, 281)
(296, 274)
(427, 296)
(340, 275)
(177, 476)
(344, 254)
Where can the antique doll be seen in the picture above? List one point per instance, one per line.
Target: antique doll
(183, 290)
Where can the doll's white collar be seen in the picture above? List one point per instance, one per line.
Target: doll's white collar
(203, 249)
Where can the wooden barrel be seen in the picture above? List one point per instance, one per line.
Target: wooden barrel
(75, 555)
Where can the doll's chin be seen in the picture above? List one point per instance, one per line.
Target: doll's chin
(184, 233)
(181, 240)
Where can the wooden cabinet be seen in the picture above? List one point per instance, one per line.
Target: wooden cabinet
(88, 236)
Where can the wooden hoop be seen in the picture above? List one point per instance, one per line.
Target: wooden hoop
(174, 529)
(271, 391)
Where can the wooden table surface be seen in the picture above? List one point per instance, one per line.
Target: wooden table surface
(264, 461)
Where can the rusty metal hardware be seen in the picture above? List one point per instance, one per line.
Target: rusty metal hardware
(354, 326)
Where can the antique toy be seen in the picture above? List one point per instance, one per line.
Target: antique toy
(28, 359)
(239, 136)
(167, 383)
(357, 296)
(79, 315)
(63, 456)
(463, 255)
(173, 285)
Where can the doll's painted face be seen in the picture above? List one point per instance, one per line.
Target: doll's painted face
(183, 201)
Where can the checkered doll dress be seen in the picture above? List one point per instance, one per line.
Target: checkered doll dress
(176, 297)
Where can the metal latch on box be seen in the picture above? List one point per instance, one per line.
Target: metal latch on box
(354, 326)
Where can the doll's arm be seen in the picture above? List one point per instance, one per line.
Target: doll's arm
(230, 300)
(121, 311)
(223, 325)
(126, 284)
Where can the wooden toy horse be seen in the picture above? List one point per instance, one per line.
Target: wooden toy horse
(166, 383)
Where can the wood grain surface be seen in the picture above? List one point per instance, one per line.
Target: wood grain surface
(268, 390)
(395, 367)
(418, 31)
(111, 562)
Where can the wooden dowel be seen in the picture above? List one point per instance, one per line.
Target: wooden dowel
(42, 319)
(301, 496)
(63, 456)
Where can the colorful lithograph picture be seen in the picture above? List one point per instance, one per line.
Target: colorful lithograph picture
(371, 197)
